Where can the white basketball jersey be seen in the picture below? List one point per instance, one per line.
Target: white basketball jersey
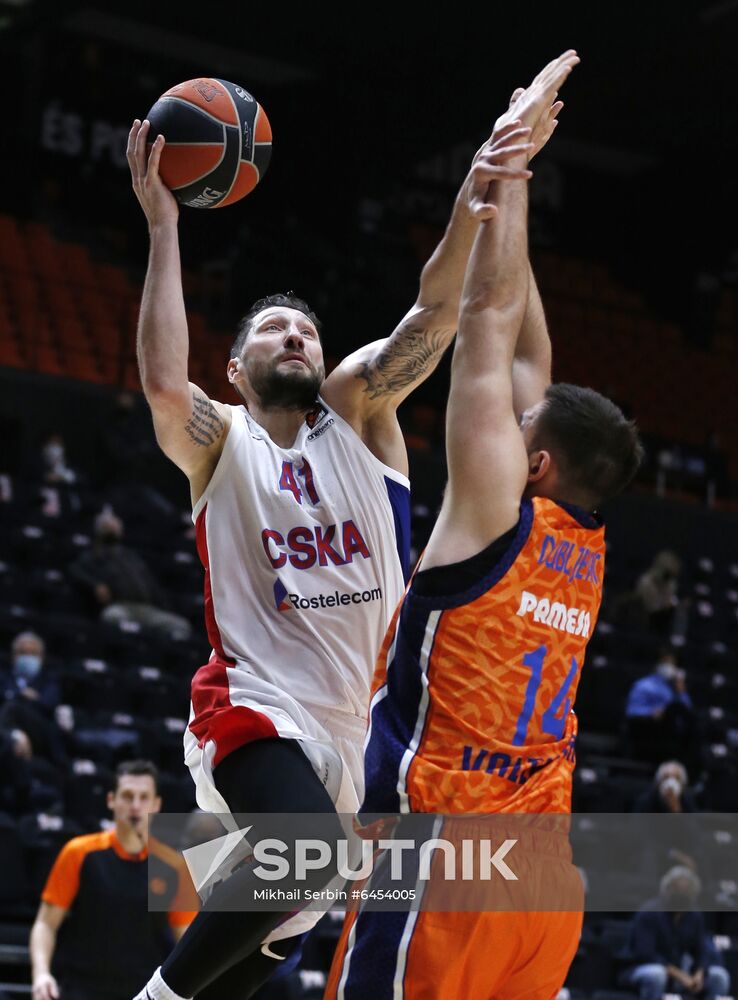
(305, 551)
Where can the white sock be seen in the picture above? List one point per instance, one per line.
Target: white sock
(157, 989)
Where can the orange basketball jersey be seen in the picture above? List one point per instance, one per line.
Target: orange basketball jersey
(473, 692)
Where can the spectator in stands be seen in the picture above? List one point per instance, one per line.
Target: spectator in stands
(669, 792)
(29, 696)
(58, 490)
(678, 842)
(55, 467)
(121, 584)
(28, 678)
(660, 717)
(94, 937)
(656, 592)
(669, 945)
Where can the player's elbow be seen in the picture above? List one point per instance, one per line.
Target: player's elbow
(489, 297)
(166, 394)
(437, 314)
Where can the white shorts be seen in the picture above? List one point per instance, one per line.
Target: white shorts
(231, 707)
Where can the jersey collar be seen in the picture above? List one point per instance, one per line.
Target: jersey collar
(123, 853)
(582, 516)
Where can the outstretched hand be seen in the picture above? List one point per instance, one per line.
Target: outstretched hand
(544, 127)
(537, 105)
(489, 165)
(524, 128)
(157, 201)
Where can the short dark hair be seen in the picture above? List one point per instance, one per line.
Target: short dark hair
(596, 448)
(137, 767)
(284, 299)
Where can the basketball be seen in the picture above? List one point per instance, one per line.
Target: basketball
(218, 141)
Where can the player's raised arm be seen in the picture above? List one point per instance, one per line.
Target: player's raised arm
(370, 384)
(487, 459)
(532, 362)
(190, 428)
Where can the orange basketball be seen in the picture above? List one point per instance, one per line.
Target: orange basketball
(218, 141)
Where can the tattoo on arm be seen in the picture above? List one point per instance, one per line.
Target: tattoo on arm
(204, 426)
(408, 356)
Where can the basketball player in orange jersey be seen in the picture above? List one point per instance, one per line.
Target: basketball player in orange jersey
(301, 504)
(473, 692)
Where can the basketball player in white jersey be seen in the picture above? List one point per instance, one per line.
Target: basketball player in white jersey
(301, 502)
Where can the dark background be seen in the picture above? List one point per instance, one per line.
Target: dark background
(372, 105)
(376, 114)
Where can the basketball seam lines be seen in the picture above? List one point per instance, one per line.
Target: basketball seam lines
(240, 144)
(210, 170)
(202, 111)
(254, 144)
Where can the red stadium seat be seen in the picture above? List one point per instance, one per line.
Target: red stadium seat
(45, 358)
(11, 353)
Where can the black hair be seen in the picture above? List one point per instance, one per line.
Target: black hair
(285, 299)
(596, 448)
(137, 767)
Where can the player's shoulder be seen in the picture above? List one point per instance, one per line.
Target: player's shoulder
(88, 843)
(224, 410)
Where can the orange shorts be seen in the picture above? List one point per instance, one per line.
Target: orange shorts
(453, 956)
(505, 953)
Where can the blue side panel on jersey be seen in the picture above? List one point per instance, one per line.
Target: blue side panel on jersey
(399, 498)
(394, 717)
(378, 935)
(374, 955)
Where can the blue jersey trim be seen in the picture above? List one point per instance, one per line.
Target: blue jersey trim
(580, 515)
(399, 498)
(373, 965)
(490, 579)
(374, 954)
(395, 716)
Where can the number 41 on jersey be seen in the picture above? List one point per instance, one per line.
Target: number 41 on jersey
(288, 481)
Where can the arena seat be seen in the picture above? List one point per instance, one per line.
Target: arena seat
(14, 886)
(12, 354)
(177, 793)
(85, 792)
(43, 837)
(94, 686)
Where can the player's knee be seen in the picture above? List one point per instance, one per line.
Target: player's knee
(651, 980)
(654, 981)
(717, 981)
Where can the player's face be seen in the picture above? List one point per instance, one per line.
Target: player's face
(133, 800)
(283, 358)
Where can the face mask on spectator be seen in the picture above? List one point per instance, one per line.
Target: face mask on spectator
(670, 784)
(669, 671)
(54, 454)
(27, 666)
